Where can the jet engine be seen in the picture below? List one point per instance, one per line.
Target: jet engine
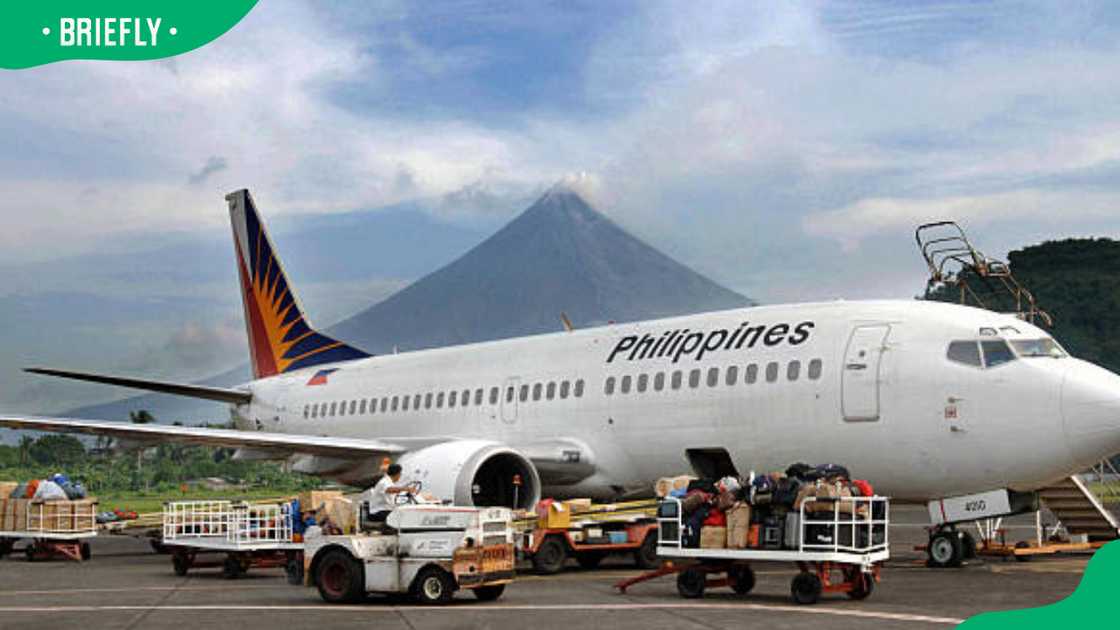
(474, 472)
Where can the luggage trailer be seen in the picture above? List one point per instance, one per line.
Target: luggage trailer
(234, 536)
(55, 529)
(845, 549)
(590, 534)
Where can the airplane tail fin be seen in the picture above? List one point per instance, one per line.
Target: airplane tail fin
(281, 338)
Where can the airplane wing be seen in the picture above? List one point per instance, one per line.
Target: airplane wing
(279, 444)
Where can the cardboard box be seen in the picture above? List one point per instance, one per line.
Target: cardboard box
(713, 537)
(6, 488)
(312, 500)
(341, 512)
(738, 526)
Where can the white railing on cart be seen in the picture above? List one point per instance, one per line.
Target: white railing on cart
(854, 517)
(225, 521)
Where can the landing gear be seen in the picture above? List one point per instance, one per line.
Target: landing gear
(945, 549)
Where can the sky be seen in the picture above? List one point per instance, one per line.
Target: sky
(787, 150)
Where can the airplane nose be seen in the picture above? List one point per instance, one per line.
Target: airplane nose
(1091, 412)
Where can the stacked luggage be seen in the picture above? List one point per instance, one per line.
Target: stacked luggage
(764, 511)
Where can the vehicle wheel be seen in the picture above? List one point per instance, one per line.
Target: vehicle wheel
(433, 586)
(550, 556)
(945, 550)
(340, 578)
(1022, 544)
(691, 583)
(968, 546)
(180, 565)
(489, 593)
(646, 555)
(294, 572)
(85, 550)
(806, 588)
(742, 579)
(590, 559)
(864, 584)
(232, 569)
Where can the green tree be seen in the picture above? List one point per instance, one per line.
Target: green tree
(57, 450)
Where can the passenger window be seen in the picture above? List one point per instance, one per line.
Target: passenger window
(713, 376)
(659, 381)
(362, 409)
(493, 395)
(353, 407)
(751, 374)
(478, 397)
(428, 400)
(579, 389)
(396, 402)
(608, 387)
(509, 394)
(404, 403)
(536, 391)
(732, 375)
(694, 378)
(465, 398)
(384, 404)
(771, 372)
(676, 380)
(565, 387)
(524, 393)
(643, 382)
(342, 409)
(550, 392)
(314, 411)
(793, 370)
(416, 401)
(815, 369)
(965, 352)
(306, 412)
(334, 408)
(439, 400)
(451, 399)
(996, 353)
(625, 389)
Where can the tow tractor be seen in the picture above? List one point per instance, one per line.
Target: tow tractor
(838, 550)
(426, 550)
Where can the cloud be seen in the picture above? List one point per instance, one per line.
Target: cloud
(213, 165)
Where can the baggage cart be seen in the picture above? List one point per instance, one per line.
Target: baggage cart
(589, 533)
(55, 529)
(234, 536)
(837, 551)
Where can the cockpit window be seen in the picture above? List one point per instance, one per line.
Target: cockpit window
(996, 352)
(965, 352)
(1031, 348)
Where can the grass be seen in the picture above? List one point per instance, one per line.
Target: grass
(1107, 493)
(152, 502)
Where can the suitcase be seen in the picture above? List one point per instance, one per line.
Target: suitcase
(725, 500)
(793, 531)
(772, 532)
(667, 509)
(695, 500)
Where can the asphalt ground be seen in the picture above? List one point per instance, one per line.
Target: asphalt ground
(125, 585)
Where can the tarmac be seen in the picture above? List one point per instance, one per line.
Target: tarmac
(126, 585)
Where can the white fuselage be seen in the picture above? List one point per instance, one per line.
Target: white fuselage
(872, 389)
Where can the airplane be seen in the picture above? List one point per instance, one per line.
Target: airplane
(932, 402)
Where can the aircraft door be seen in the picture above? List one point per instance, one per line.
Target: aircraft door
(862, 362)
(509, 400)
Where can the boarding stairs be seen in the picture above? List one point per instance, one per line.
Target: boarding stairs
(1078, 508)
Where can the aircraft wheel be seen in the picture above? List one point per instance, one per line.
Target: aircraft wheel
(945, 550)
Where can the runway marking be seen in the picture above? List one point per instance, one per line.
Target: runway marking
(367, 609)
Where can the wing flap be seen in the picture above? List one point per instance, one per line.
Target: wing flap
(280, 444)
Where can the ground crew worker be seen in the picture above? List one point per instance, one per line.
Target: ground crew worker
(379, 499)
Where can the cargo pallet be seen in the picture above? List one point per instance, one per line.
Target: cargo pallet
(54, 533)
(850, 566)
(548, 540)
(243, 535)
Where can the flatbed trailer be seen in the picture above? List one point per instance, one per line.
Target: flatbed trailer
(589, 533)
(849, 563)
(233, 536)
(54, 529)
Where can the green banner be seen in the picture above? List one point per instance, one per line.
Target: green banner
(35, 33)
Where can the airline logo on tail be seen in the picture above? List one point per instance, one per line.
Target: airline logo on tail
(280, 337)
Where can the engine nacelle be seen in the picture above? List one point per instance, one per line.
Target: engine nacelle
(474, 472)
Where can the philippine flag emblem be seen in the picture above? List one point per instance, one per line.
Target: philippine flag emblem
(320, 377)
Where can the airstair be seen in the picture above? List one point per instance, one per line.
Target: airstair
(1079, 510)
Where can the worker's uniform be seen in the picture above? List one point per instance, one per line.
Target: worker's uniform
(378, 500)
